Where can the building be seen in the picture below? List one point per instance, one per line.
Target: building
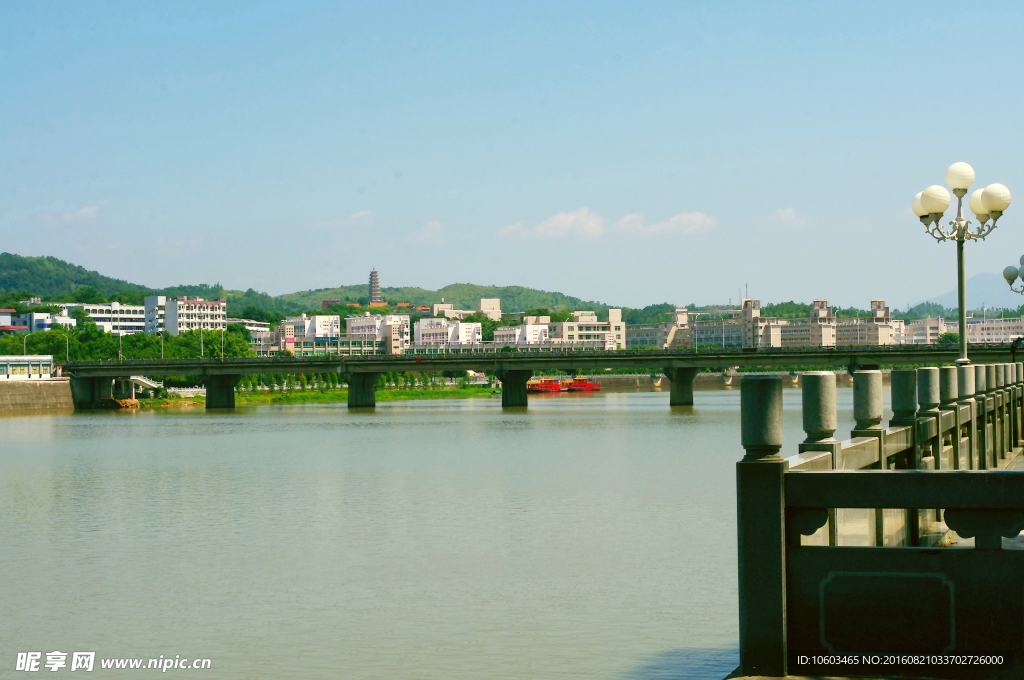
(26, 367)
(111, 317)
(926, 331)
(584, 326)
(374, 287)
(394, 330)
(155, 309)
(666, 335)
(434, 331)
(44, 321)
(990, 330)
(7, 324)
(258, 330)
(324, 304)
(191, 313)
(535, 330)
(489, 307)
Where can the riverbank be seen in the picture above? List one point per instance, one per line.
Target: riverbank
(243, 398)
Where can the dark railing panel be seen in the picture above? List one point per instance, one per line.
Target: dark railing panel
(973, 489)
(888, 601)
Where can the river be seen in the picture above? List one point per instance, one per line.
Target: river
(590, 537)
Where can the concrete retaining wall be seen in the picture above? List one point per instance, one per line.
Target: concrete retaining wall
(33, 395)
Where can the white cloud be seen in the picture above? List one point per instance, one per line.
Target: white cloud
(431, 232)
(338, 223)
(357, 215)
(580, 222)
(84, 214)
(687, 224)
(790, 217)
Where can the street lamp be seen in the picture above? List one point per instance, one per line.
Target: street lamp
(24, 343)
(986, 204)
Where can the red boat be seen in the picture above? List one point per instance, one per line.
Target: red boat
(545, 385)
(583, 384)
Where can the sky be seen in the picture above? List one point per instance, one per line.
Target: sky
(629, 153)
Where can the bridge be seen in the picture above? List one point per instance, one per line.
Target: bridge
(91, 380)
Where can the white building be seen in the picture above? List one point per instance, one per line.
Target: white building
(258, 330)
(112, 317)
(43, 321)
(437, 331)
(155, 308)
(26, 367)
(584, 326)
(489, 307)
(191, 313)
(393, 329)
(535, 330)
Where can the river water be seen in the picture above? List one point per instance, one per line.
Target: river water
(590, 537)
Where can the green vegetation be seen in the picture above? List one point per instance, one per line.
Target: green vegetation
(949, 339)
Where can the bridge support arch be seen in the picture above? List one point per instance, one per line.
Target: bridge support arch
(681, 385)
(220, 390)
(513, 386)
(362, 390)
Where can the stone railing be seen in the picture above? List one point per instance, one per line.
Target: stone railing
(845, 547)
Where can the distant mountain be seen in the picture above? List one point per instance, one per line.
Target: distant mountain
(50, 278)
(462, 295)
(985, 289)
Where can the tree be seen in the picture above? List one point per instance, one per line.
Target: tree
(949, 339)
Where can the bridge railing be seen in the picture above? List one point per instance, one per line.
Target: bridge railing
(846, 547)
(875, 350)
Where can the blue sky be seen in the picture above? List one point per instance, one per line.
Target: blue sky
(624, 152)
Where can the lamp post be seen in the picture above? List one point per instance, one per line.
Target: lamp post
(988, 203)
(723, 329)
(24, 343)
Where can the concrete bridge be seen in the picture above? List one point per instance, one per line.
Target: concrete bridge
(90, 380)
(894, 552)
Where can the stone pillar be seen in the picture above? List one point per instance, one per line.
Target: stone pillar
(513, 386)
(904, 396)
(965, 382)
(1018, 374)
(929, 395)
(220, 390)
(1000, 394)
(984, 401)
(760, 509)
(867, 400)
(89, 393)
(949, 394)
(819, 406)
(362, 390)
(681, 385)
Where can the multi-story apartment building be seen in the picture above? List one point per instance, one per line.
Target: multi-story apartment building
(192, 313)
(155, 309)
(990, 330)
(441, 331)
(112, 317)
(258, 330)
(394, 330)
(926, 331)
(666, 335)
(534, 330)
(489, 307)
(585, 327)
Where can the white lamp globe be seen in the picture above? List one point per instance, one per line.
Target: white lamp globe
(996, 198)
(977, 207)
(960, 176)
(1021, 260)
(1010, 274)
(935, 199)
(916, 205)
(1020, 271)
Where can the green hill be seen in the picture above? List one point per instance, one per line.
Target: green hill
(57, 280)
(462, 295)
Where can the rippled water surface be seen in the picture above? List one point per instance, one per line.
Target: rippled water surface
(590, 537)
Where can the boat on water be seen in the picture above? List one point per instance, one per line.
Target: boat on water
(545, 385)
(583, 384)
(554, 385)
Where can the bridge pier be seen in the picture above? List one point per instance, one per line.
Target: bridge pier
(220, 390)
(681, 385)
(362, 390)
(89, 393)
(513, 386)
